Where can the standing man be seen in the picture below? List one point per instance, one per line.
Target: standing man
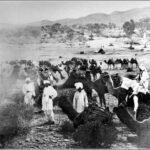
(80, 100)
(49, 93)
(29, 92)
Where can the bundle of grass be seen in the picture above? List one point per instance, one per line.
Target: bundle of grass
(95, 135)
(15, 121)
(66, 129)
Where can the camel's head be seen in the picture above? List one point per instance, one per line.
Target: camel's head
(61, 67)
(105, 77)
(117, 80)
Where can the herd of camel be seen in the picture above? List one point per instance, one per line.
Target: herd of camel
(74, 70)
(124, 63)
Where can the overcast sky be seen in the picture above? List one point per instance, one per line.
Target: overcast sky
(16, 12)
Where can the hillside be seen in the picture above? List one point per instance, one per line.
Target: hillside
(117, 17)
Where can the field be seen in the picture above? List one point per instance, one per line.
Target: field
(48, 136)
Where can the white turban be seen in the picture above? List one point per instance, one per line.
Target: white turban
(28, 79)
(142, 67)
(78, 85)
(46, 82)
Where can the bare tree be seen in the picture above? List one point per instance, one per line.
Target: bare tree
(129, 28)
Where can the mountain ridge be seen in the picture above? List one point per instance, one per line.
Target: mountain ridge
(117, 17)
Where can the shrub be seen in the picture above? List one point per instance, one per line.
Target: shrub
(66, 129)
(95, 135)
(143, 112)
(14, 120)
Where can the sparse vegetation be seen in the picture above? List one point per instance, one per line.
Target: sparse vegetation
(67, 129)
(95, 135)
(15, 120)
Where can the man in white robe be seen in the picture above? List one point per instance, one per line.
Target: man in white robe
(49, 94)
(138, 86)
(80, 100)
(143, 78)
(29, 92)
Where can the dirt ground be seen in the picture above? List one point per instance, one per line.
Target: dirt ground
(48, 136)
(44, 136)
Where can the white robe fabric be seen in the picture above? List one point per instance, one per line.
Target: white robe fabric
(135, 101)
(47, 102)
(80, 101)
(29, 91)
(95, 96)
(51, 78)
(144, 82)
(126, 83)
(49, 94)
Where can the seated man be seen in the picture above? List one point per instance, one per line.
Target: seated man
(139, 86)
(131, 101)
(143, 79)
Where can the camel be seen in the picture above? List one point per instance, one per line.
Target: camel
(134, 61)
(92, 112)
(125, 63)
(99, 86)
(95, 70)
(141, 128)
(109, 63)
(119, 93)
(118, 61)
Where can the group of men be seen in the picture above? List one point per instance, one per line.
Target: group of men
(80, 100)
